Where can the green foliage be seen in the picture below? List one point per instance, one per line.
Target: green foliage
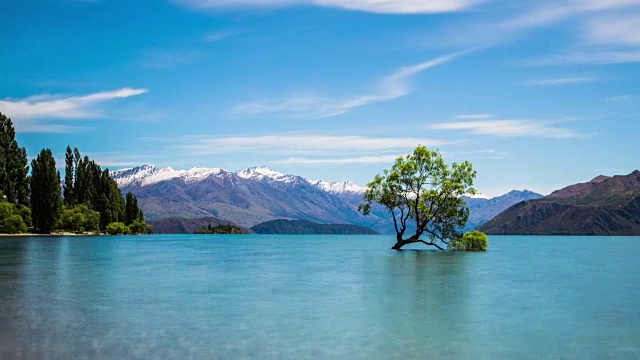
(13, 225)
(45, 192)
(471, 241)
(421, 192)
(86, 183)
(6, 209)
(79, 219)
(221, 229)
(139, 226)
(132, 212)
(11, 220)
(69, 177)
(118, 228)
(13, 165)
(25, 214)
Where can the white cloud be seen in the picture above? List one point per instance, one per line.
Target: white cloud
(560, 81)
(391, 87)
(590, 57)
(473, 116)
(509, 128)
(219, 36)
(621, 29)
(382, 159)
(546, 13)
(374, 6)
(296, 144)
(36, 113)
(620, 98)
(67, 107)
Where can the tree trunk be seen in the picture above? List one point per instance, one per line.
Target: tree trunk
(400, 242)
(414, 239)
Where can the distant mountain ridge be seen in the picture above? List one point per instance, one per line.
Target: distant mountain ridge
(483, 209)
(247, 197)
(259, 194)
(602, 206)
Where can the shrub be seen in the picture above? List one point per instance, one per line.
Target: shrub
(78, 219)
(471, 241)
(140, 227)
(117, 228)
(13, 225)
(12, 220)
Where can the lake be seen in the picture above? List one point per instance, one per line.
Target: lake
(336, 297)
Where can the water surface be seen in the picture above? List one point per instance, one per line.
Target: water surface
(291, 297)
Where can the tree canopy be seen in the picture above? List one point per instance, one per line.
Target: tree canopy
(45, 191)
(13, 165)
(91, 197)
(423, 196)
(471, 241)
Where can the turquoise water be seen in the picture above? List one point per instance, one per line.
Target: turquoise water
(340, 297)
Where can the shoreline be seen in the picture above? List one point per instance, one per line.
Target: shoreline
(51, 235)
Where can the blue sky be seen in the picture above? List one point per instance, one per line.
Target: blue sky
(536, 94)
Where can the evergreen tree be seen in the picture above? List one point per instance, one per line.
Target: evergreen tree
(132, 212)
(45, 191)
(13, 165)
(111, 205)
(69, 177)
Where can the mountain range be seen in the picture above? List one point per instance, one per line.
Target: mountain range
(259, 194)
(603, 206)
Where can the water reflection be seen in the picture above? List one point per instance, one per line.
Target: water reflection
(12, 257)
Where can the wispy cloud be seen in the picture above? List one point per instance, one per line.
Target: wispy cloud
(35, 113)
(608, 30)
(473, 116)
(620, 98)
(590, 57)
(60, 106)
(509, 128)
(217, 36)
(560, 81)
(374, 6)
(303, 144)
(391, 87)
(382, 159)
(623, 29)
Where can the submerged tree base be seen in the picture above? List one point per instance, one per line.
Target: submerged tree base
(412, 240)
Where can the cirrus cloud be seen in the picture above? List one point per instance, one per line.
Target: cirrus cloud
(509, 128)
(373, 6)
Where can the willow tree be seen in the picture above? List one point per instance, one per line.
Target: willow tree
(423, 195)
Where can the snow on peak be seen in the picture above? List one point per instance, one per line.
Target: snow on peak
(263, 173)
(199, 173)
(477, 196)
(149, 174)
(338, 187)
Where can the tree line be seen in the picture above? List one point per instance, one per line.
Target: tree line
(87, 201)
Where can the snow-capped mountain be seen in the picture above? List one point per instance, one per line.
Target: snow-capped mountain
(477, 196)
(338, 187)
(148, 174)
(257, 194)
(246, 197)
(263, 173)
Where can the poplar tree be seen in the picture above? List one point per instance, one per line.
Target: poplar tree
(69, 177)
(45, 191)
(13, 165)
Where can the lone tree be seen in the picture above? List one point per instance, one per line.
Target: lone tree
(423, 194)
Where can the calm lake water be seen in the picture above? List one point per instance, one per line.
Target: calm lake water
(340, 297)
